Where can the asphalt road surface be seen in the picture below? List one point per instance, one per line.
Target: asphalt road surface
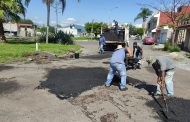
(73, 90)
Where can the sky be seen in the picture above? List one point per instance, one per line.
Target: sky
(87, 11)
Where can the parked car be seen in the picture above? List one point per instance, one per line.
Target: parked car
(148, 40)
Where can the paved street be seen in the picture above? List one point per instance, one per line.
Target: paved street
(72, 91)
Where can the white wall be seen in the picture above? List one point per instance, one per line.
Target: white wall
(69, 30)
(10, 27)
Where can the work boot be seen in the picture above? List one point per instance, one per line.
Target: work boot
(124, 89)
(107, 86)
(157, 94)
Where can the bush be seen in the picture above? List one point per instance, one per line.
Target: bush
(168, 47)
(60, 37)
(174, 49)
(84, 38)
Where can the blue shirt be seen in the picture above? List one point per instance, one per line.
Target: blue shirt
(118, 56)
(102, 40)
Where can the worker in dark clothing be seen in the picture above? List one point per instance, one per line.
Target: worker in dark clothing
(116, 27)
(164, 68)
(117, 64)
(137, 51)
(101, 44)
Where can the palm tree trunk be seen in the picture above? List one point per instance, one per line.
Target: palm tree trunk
(2, 36)
(144, 27)
(48, 19)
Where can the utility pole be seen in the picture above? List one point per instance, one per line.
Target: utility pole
(92, 28)
(56, 6)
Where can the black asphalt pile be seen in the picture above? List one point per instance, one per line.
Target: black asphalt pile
(71, 82)
(178, 109)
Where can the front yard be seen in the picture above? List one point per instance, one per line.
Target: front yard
(16, 52)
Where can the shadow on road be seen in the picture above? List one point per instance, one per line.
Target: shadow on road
(98, 56)
(142, 85)
(71, 82)
(135, 83)
(2, 67)
(7, 87)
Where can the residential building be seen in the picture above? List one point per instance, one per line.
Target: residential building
(160, 25)
(183, 34)
(14, 29)
(76, 30)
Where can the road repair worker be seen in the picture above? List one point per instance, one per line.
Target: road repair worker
(101, 44)
(164, 68)
(117, 63)
(137, 51)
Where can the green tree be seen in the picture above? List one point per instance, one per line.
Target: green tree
(139, 31)
(144, 14)
(43, 29)
(48, 5)
(95, 27)
(25, 21)
(132, 29)
(10, 10)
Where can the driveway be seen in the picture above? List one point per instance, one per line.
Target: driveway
(72, 90)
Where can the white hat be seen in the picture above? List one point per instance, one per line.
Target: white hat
(119, 46)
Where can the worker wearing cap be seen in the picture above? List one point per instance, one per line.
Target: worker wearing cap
(164, 68)
(137, 51)
(117, 63)
(101, 44)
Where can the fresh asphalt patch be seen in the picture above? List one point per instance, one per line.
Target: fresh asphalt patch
(71, 82)
(8, 86)
(3, 67)
(178, 109)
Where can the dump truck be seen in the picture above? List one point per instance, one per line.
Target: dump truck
(113, 39)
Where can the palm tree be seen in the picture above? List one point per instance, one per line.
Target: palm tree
(10, 10)
(144, 14)
(48, 4)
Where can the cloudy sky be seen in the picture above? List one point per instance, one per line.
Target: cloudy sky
(87, 10)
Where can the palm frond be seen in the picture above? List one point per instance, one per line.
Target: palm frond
(27, 2)
(63, 5)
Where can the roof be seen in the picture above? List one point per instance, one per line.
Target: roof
(165, 19)
(184, 9)
(24, 25)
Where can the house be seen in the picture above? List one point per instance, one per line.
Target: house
(22, 30)
(160, 25)
(183, 34)
(76, 30)
(25, 30)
